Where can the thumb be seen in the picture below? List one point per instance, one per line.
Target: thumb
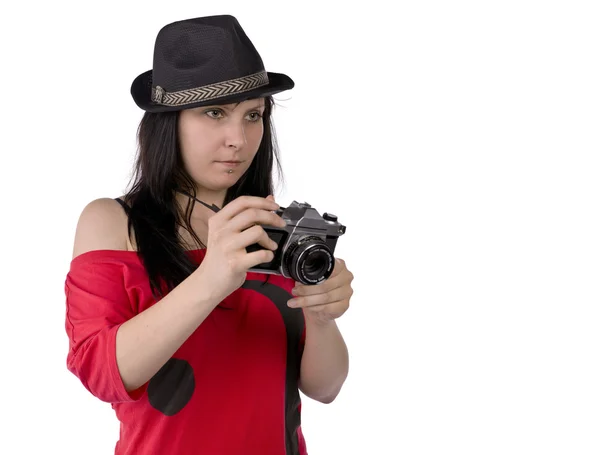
(271, 198)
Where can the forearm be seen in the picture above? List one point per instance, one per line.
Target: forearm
(147, 341)
(324, 365)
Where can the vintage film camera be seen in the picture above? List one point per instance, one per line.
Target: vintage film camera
(305, 246)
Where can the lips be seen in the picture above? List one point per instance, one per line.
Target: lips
(229, 164)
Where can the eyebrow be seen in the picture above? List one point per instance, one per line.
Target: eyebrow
(227, 108)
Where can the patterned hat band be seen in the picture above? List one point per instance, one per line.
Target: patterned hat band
(208, 92)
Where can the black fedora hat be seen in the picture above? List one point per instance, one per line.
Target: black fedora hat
(201, 61)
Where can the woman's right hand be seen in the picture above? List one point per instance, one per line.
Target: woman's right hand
(232, 229)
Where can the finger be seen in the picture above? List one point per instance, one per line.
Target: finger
(338, 267)
(250, 260)
(328, 285)
(334, 295)
(252, 216)
(332, 308)
(255, 234)
(240, 204)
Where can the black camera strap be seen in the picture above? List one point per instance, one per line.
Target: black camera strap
(213, 207)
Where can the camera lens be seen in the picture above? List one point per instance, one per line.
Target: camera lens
(309, 260)
(315, 264)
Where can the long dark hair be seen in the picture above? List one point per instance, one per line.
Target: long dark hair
(154, 214)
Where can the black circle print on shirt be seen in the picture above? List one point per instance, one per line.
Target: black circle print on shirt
(171, 388)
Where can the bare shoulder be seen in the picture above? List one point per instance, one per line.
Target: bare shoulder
(102, 225)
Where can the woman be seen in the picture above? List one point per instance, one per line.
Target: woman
(195, 353)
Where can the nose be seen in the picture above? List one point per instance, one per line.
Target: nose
(235, 135)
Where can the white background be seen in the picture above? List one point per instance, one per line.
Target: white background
(459, 143)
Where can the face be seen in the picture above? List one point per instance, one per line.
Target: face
(221, 138)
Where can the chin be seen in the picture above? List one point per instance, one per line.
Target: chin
(222, 184)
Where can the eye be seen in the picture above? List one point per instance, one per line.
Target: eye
(254, 116)
(214, 113)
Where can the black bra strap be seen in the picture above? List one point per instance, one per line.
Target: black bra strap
(122, 202)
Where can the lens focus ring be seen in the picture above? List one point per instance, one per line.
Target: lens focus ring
(309, 260)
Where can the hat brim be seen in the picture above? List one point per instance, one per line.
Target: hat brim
(141, 90)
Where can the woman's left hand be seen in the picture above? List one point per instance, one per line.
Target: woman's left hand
(328, 300)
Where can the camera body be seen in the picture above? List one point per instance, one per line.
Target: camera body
(305, 246)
